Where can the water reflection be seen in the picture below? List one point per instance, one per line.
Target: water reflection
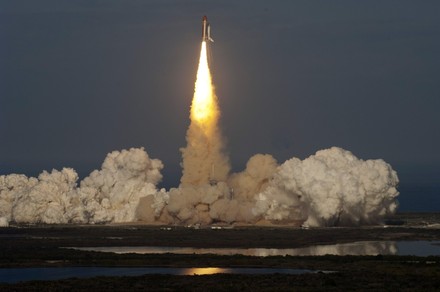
(355, 248)
(15, 275)
(418, 248)
(205, 271)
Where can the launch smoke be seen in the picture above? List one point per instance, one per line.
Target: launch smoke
(203, 157)
(330, 188)
(108, 195)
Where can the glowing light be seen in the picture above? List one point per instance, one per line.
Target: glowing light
(204, 107)
(206, 271)
(204, 160)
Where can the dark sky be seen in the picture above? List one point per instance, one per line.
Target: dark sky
(79, 79)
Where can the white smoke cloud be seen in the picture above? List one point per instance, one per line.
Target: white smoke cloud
(111, 194)
(4, 222)
(259, 170)
(46, 199)
(43, 199)
(332, 187)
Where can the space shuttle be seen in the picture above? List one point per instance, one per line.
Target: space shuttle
(206, 30)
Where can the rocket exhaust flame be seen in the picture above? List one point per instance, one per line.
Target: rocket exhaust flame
(204, 108)
(332, 187)
(205, 143)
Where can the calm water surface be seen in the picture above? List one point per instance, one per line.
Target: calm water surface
(28, 274)
(417, 248)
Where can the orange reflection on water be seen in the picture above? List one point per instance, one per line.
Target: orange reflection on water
(205, 271)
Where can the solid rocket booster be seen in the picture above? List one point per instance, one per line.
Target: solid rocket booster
(206, 30)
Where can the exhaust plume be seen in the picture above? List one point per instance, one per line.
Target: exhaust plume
(331, 188)
(203, 157)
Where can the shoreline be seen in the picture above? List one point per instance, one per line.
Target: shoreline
(41, 246)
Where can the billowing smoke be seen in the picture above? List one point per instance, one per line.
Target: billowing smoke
(203, 158)
(330, 188)
(111, 194)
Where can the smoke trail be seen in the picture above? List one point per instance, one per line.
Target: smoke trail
(203, 157)
(332, 187)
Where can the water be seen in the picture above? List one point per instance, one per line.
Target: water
(417, 248)
(28, 274)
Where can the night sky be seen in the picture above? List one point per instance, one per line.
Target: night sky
(79, 79)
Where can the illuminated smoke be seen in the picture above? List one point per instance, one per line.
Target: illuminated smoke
(205, 165)
(4, 222)
(44, 199)
(203, 157)
(330, 188)
(111, 194)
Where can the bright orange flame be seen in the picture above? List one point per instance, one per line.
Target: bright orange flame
(206, 271)
(203, 158)
(204, 107)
